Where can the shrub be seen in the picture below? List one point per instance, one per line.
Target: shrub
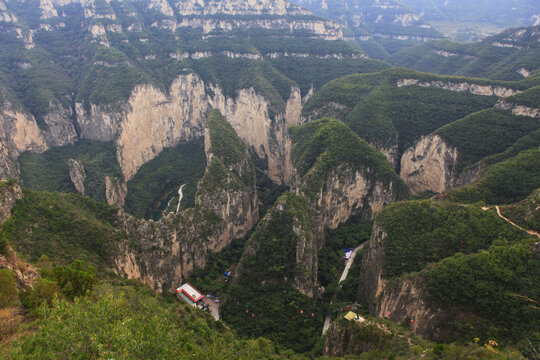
(8, 289)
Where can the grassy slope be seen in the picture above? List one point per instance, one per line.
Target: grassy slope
(380, 112)
(49, 171)
(469, 260)
(158, 180)
(65, 227)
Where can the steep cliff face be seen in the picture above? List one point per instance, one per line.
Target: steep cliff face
(428, 165)
(346, 191)
(115, 191)
(77, 174)
(164, 253)
(399, 300)
(476, 89)
(339, 177)
(519, 110)
(19, 132)
(10, 192)
(180, 116)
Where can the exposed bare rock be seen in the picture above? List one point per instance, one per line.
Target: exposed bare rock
(19, 132)
(167, 251)
(25, 274)
(476, 89)
(59, 128)
(10, 193)
(77, 174)
(519, 110)
(400, 300)
(428, 165)
(115, 192)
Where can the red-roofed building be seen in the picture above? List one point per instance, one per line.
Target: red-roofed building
(189, 294)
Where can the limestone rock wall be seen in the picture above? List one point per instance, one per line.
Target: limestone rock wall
(400, 300)
(77, 174)
(19, 132)
(10, 193)
(428, 165)
(476, 89)
(115, 191)
(346, 192)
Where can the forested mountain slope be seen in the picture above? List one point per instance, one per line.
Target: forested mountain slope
(510, 55)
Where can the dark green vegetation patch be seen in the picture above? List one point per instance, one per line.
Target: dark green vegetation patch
(65, 227)
(158, 181)
(50, 171)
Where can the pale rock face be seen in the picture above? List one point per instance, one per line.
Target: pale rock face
(47, 9)
(162, 6)
(428, 165)
(115, 192)
(9, 195)
(60, 130)
(77, 174)
(400, 300)
(5, 15)
(346, 192)
(19, 132)
(484, 90)
(155, 121)
(102, 123)
(519, 110)
(524, 72)
(238, 7)
(406, 19)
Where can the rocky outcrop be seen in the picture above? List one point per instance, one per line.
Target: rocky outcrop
(428, 165)
(476, 89)
(346, 192)
(77, 175)
(25, 274)
(115, 192)
(519, 110)
(10, 193)
(399, 300)
(153, 121)
(59, 129)
(164, 253)
(19, 132)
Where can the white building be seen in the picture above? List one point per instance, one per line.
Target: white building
(189, 294)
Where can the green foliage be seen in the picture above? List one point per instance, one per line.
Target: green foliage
(49, 171)
(324, 145)
(506, 182)
(529, 97)
(157, 181)
(65, 227)
(387, 115)
(499, 286)
(44, 292)
(526, 213)
(268, 269)
(420, 232)
(479, 59)
(225, 143)
(348, 235)
(76, 279)
(232, 75)
(8, 289)
(485, 133)
(127, 322)
(105, 85)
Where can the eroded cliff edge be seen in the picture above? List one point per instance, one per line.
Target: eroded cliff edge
(164, 253)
